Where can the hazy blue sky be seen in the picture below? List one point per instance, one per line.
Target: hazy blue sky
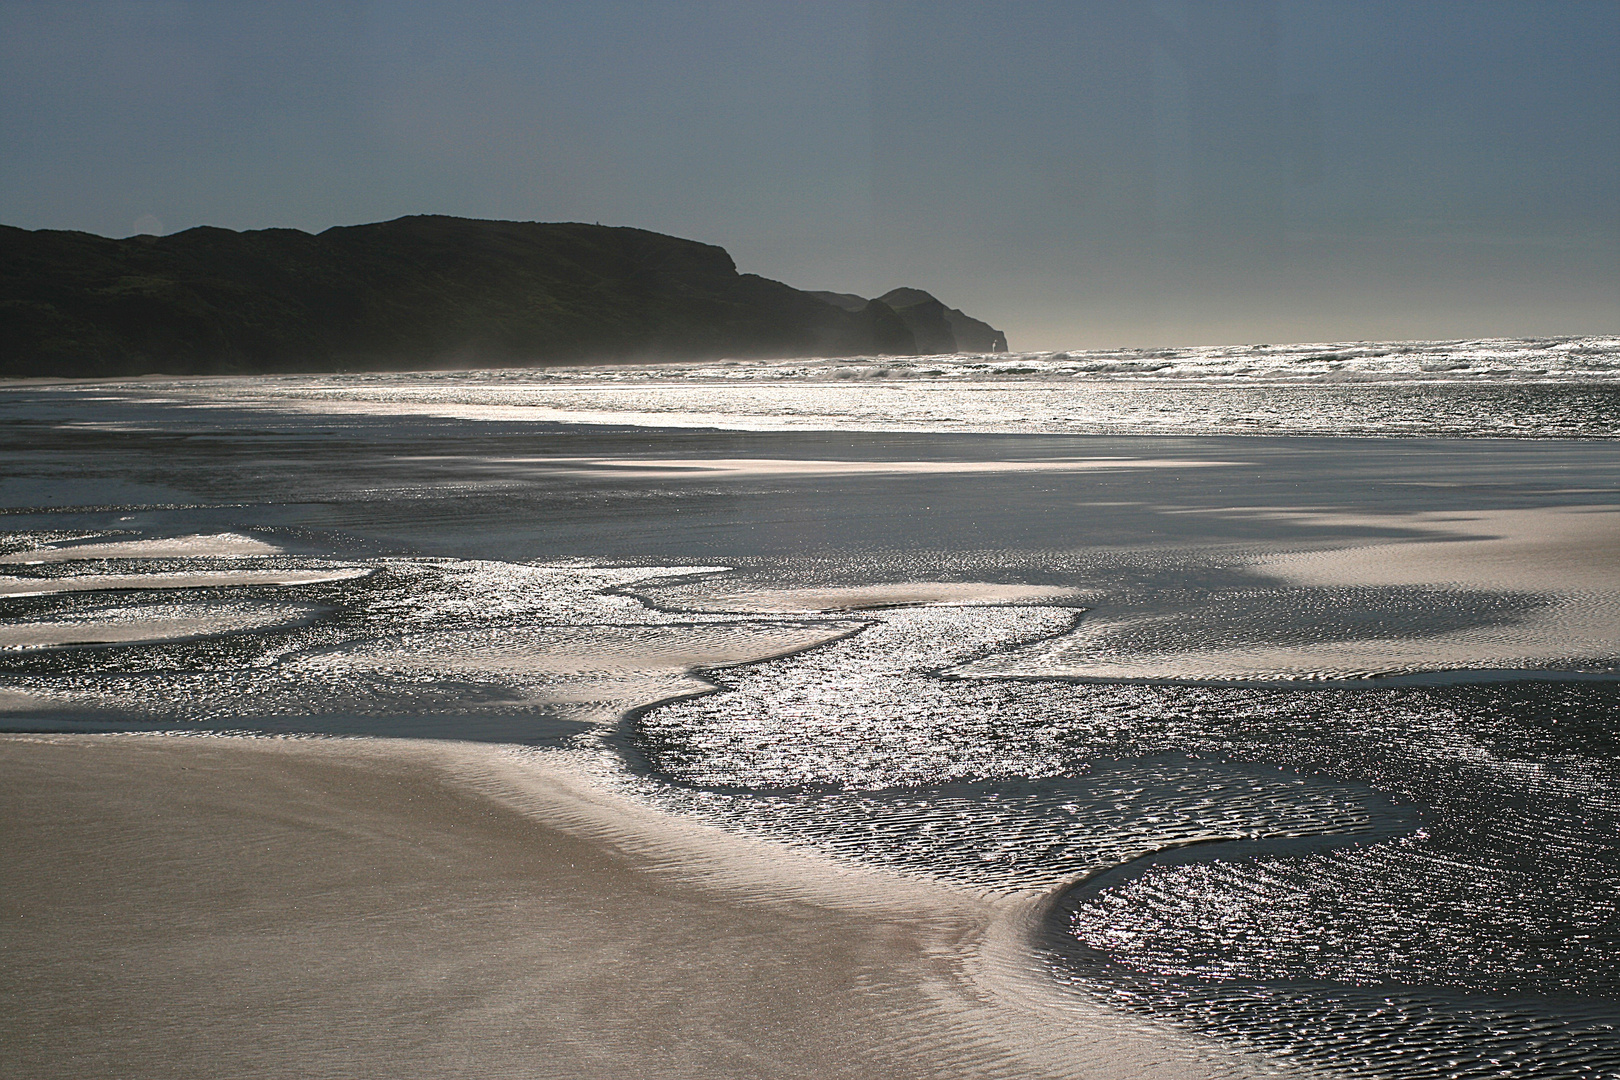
(1081, 174)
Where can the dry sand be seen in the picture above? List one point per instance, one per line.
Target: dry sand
(199, 907)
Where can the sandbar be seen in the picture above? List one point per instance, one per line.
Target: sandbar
(146, 626)
(217, 546)
(220, 579)
(1555, 571)
(1564, 548)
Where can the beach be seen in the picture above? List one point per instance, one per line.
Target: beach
(404, 731)
(857, 541)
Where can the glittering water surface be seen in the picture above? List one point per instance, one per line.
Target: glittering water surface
(1463, 912)
(1410, 875)
(1312, 744)
(1541, 388)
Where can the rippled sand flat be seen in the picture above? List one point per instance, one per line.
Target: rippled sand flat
(433, 910)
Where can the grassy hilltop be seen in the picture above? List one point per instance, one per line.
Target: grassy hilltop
(422, 292)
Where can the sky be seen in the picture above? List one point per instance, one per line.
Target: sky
(1080, 174)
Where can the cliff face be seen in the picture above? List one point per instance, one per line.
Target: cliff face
(415, 292)
(934, 327)
(932, 321)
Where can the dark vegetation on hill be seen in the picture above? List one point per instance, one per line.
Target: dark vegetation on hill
(423, 292)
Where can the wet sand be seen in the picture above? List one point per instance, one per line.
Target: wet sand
(149, 624)
(722, 595)
(224, 579)
(263, 907)
(1568, 548)
(1552, 572)
(224, 546)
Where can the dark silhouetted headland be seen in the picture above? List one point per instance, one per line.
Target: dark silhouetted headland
(423, 292)
(934, 327)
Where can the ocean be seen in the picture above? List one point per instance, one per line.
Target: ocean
(1286, 676)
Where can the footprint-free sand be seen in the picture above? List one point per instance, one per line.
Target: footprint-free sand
(203, 906)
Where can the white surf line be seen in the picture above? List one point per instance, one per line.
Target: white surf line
(15, 586)
(720, 468)
(220, 545)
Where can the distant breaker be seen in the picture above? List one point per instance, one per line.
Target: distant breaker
(424, 292)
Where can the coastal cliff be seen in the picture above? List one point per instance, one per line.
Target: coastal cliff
(421, 292)
(934, 327)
